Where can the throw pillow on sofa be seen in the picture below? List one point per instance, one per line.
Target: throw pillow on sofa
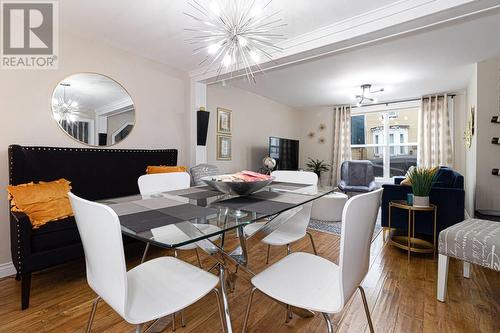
(164, 169)
(42, 202)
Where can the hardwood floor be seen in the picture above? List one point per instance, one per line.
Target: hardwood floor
(401, 296)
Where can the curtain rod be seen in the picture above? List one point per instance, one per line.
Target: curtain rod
(400, 101)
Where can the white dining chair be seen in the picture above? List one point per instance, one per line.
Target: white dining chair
(165, 182)
(295, 177)
(150, 291)
(297, 220)
(310, 282)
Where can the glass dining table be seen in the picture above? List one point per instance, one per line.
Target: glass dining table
(204, 216)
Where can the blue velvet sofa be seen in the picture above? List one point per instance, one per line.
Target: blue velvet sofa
(447, 194)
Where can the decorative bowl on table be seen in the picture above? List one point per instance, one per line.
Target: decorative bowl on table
(241, 183)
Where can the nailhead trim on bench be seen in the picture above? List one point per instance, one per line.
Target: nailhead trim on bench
(11, 166)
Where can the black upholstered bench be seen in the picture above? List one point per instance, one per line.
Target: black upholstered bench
(95, 174)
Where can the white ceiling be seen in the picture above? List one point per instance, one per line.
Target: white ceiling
(155, 28)
(437, 60)
(93, 92)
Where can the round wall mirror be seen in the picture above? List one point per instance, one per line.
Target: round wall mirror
(93, 109)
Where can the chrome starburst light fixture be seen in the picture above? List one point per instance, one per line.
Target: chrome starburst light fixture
(235, 34)
(64, 109)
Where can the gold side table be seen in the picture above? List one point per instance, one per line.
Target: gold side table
(410, 243)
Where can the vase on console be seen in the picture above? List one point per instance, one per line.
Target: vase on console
(422, 180)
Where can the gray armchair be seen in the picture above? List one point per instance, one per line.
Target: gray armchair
(357, 176)
(203, 170)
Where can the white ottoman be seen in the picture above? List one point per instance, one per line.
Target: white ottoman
(329, 207)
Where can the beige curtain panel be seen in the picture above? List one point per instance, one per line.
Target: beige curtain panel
(341, 140)
(434, 132)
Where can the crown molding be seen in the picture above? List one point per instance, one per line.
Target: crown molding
(377, 19)
(115, 106)
(389, 16)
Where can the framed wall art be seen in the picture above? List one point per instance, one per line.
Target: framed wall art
(224, 121)
(224, 149)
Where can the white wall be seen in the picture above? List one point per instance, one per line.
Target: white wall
(310, 120)
(459, 122)
(482, 188)
(160, 95)
(488, 155)
(255, 119)
(471, 153)
(117, 121)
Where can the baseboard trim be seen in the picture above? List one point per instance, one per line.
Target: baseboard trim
(7, 269)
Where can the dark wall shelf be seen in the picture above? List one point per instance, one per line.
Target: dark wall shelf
(495, 141)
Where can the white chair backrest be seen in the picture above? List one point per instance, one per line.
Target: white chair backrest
(297, 224)
(101, 237)
(358, 222)
(163, 182)
(297, 177)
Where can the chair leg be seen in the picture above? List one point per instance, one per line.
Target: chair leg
(198, 257)
(221, 310)
(288, 250)
(466, 270)
(92, 314)
(312, 243)
(442, 277)
(151, 326)
(25, 290)
(183, 320)
(367, 310)
(249, 306)
(268, 253)
(144, 255)
(289, 314)
(183, 324)
(138, 328)
(214, 266)
(329, 324)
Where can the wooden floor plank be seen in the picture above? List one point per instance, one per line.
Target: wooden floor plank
(401, 296)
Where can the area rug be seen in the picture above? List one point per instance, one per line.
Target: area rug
(335, 228)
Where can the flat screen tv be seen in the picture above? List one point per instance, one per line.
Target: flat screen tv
(285, 152)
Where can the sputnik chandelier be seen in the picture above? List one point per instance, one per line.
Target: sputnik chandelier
(235, 34)
(366, 94)
(64, 109)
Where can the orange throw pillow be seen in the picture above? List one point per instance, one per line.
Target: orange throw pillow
(42, 202)
(164, 169)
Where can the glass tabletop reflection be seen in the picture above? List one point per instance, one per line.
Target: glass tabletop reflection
(182, 217)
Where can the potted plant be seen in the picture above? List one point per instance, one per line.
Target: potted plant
(317, 166)
(421, 180)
